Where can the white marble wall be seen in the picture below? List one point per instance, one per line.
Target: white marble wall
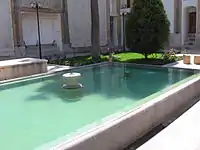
(6, 34)
(169, 8)
(79, 15)
(103, 22)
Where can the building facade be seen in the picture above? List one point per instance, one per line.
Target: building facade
(116, 9)
(65, 26)
(184, 22)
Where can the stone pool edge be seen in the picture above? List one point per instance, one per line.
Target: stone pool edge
(50, 73)
(97, 124)
(104, 136)
(53, 72)
(135, 123)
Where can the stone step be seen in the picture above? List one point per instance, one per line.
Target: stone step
(188, 46)
(191, 34)
(191, 39)
(189, 43)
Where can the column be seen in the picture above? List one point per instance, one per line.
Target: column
(197, 41)
(108, 22)
(64, 23)
(14, 12)
(184, 25)
(119, 22)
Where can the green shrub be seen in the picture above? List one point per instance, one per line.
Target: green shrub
(170, 56)
(147, 27)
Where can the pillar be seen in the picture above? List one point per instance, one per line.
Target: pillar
(108, 22)
(184, 25)
(64, 23)
(119, 22)
(197, 41)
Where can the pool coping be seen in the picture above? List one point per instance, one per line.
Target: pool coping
(77, 139)
(98, 127)
(119, 118)
(53, 72)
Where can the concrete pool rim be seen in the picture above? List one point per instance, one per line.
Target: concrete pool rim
(95, 128)
(120, 116)
(51, 73)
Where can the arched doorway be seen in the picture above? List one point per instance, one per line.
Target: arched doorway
(189, 24)
(191, 20)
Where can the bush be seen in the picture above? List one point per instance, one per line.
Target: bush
(170, 56)
(147, 27)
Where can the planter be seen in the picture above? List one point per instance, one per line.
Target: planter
(186, 59)
(197, 60)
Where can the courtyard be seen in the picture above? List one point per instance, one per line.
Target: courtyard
(99, 75)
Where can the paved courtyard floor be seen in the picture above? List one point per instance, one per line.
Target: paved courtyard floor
(182, 128)
(180, 64)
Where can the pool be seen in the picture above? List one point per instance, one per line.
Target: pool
(37, 111)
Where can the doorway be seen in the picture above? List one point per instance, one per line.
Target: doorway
(192, 22)
(50, 29)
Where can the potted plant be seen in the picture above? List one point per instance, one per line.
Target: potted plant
(197, 60)
(186, 57)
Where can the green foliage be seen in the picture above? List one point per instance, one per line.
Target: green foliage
(78, 61)
(170, 56)
(147, 27)
(128, 57)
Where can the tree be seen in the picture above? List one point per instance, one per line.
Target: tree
(147, 27)
(95, 33)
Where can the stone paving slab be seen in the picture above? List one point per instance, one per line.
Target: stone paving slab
(162, 126)
(182, 134)
(180, 64)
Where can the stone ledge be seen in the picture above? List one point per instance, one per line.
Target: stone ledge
(16, 68)
(22, 61)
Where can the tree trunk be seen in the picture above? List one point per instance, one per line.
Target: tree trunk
(95, 30)
(146, 56)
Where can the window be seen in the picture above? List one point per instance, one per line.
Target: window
(128, 3)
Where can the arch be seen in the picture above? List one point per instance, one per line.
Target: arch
(189, 22)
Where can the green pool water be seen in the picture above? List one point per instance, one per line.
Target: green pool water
(39, 111)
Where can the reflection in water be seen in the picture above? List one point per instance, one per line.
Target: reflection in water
(97, 78)
(170, 76)
(73, 94)
(110, 83)
(127, 73)
(135, 83)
